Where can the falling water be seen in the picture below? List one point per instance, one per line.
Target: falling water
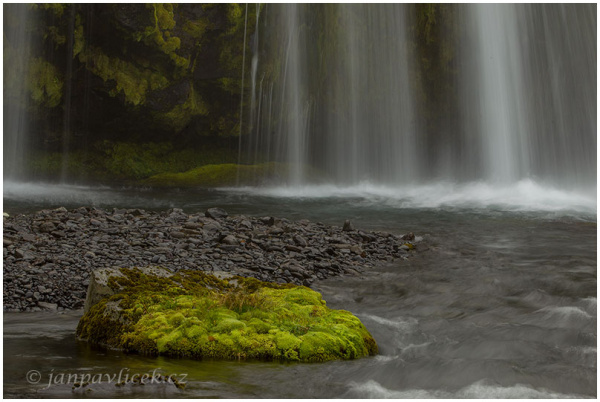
(342, 99)
(531, 76)
(372, 134)
(17, 51)
(347, 81)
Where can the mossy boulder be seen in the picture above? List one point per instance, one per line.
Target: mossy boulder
(197, 315)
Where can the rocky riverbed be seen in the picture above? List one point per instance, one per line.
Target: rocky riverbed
(49, 255)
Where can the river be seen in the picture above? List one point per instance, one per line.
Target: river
(500, 301)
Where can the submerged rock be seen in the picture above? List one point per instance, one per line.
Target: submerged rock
(198, 315)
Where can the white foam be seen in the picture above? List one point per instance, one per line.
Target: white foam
(525, 195)
(518, 391)
(479, 390)
(565, 312)
(51, 192)
(387, 358)
(65, 194)
(590, 304)
(400, 324)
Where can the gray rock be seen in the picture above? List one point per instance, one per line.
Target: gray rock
(230, 239)
(246, 224)
(211, 228)
(348, 226)
(47, 227)
(216, 213)
(300, 241)
(293, 248)
(275, 231)
(271, 221)
(28, 237)
(409, 236)
(99, 289)
(356, 249)
(48, 306)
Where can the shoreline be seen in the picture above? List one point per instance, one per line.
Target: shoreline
(50, 254)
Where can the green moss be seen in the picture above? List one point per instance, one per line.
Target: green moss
(55, 36)
(44, 83)
(130, 80)
(196, 29)
(191, 314)
(218, 175)
(78, 38)
(57, 9)
(180, 116)
(159, 34)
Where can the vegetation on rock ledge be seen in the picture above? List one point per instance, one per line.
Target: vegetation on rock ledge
(196, 315)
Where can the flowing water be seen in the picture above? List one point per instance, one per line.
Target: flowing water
(352, 95)
(500, 301)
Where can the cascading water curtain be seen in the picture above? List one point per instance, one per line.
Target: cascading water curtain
(345, 93)
(17, 53)
(530, 76)
(333, 95)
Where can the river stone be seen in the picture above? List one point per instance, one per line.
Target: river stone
(216, 213)
(356, 249)
(300, 241)
(211, 228)
(47, 227)
(409, 236)
(48, 306)
(231, 240)
(348, 226)
(28, 237)
(19, 253)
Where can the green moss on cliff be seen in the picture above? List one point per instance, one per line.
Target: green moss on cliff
(159, 34)
(181, 115)
(192, 314)
(44, 83)
(130, 80)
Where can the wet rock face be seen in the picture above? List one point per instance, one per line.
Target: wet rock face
(154, 70)
(49, 255)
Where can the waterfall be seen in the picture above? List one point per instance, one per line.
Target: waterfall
(17, 51)
(348, 88)
(340, 95)
(531, 74)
